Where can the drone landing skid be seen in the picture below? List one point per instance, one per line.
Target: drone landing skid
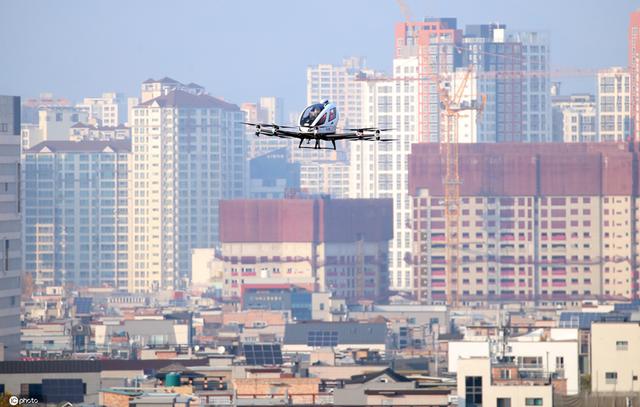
(317, 145)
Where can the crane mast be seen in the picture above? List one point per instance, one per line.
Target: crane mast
(449, 145)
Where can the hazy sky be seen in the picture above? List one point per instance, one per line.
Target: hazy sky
(245, 49)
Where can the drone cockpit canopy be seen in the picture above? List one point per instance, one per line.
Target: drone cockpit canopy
(310, 114)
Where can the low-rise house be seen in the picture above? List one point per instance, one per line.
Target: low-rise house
(615, 353)
(539, 352)
(306, 337)
(481, 383)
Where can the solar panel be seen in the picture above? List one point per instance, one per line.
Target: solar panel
(83, 305)
(59, 390)
(322, 338)
(262, 353)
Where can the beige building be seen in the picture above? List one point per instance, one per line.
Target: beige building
(482, 383)
(108, 110)
(615, 357)
(204, 270)
(189, 152)
(613, 104)
(533, 224)
(54, 123)
(337, 246)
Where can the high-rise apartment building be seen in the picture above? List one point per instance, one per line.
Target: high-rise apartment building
(342, 85)
(574, 119)
(10, 227)
(536, 85)
(109, 110)
(339, 84)
(498, 66)
(513, 75)
(76, 213)
(189, 151)
(539, 222)
(379, 169)
(152, 88)
(613, 103)
(436, 44)
(634, 72)
(269, 109)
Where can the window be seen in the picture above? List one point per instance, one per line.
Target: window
(505, 374)
(622, 345)
(503, 402)
(533, 401)
(473, 391)
(559, 362)
(611, 377)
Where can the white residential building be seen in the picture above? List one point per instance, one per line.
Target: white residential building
(535, 353)
(483, 383)
(342, 85)
(615, 357)
(189, 151)
(108, 110)
(339, 84)
(613, 104)
(380, 169)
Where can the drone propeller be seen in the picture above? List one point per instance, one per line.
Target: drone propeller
(369, 129)
(269, 125)
(281, 127)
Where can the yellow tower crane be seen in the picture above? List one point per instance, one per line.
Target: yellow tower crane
(451, 109)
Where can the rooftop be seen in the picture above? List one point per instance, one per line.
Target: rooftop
(182, 99)
(84, 146)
